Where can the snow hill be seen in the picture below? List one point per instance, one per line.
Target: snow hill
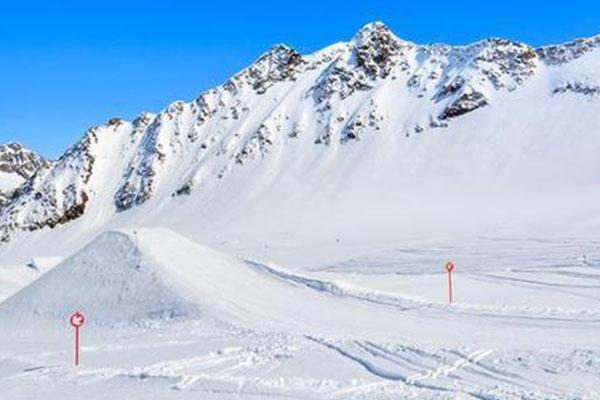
(374, 138)
(125, 277)
(109, 279)
(129, 276)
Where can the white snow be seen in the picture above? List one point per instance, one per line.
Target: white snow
(167, 315)
(9, 182)
(284, 235)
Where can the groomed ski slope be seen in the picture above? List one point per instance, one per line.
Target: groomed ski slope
(168, 315)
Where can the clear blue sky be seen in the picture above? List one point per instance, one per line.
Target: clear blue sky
(68, 65)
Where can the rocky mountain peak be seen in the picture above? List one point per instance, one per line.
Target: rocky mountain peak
(375, 46)
(563, 53)
(279, 53)
(16, 159)
(278, 64)
(375, 32)
(12, 145)
(17, 164)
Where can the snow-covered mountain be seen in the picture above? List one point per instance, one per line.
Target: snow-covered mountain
(373, 136)
(17, 164)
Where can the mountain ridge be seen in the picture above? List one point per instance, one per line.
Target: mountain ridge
(334, 97)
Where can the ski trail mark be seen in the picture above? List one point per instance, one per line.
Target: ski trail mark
(445, 370)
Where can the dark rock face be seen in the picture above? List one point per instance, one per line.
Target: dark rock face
(563, 53)
(72, 210)
(512, 60)
(50, 204)
(115, 122)
(18, 160)
(258, 145)
(466, 103)
(340, 80)
(139, 180)
(14, 159)
(183, 190)
(376, 49)
(128, 196)
(279, 64)
(452, 87)
(359, 123)
(579, 88)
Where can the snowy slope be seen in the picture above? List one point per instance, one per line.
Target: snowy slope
(108, 280)
(169, 318)
(149, 275)
(14, 277)
(157, 274)
(9, 182)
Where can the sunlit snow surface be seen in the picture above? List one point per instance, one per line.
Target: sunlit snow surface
(524, 323)
(284, 234)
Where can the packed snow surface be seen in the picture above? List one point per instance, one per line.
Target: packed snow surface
(171, 317)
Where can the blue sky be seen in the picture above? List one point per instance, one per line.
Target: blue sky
(74, 64)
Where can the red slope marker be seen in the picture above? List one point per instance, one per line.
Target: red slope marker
(77, 320)
(449, 268)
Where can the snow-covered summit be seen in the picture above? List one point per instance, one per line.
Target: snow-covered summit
(376, 48)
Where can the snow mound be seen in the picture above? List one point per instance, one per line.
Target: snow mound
(125, 277)
(110, 281)
(157, 274)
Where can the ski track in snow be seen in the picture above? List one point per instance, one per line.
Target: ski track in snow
(395, 369)
(221, 361)
(407, 304)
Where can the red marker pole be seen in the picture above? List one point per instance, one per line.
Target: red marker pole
(76, 321)
(449, 268)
